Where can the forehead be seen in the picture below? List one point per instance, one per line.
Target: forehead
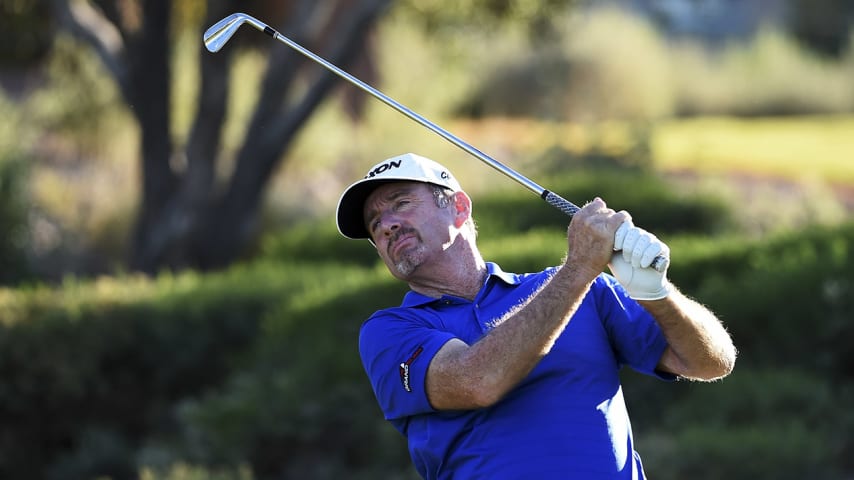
(395, 189)
(391, 191)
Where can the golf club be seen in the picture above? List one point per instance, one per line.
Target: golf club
(218, 34)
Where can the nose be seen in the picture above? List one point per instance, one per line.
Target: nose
(389, 224)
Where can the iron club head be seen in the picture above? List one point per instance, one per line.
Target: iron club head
(219, 33)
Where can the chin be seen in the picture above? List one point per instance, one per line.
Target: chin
(410, 261)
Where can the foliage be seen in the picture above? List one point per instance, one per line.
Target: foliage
(77, 102)
(254, 373)
(86, 186)
(531, 221)
(823, 25)
(14, 197)
(100, 364)
(13, 221)
(536, 16)
(809, 273)
(770, 75)
(651, 201)
(305, 396)
(610, 64)
(23, 24)
(780, 422)
(783, 413)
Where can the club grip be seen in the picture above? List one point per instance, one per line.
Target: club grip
(560, 203)
(659, 263)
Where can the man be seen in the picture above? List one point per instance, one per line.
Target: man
(494, 375)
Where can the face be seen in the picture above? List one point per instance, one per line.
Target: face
(406, 225)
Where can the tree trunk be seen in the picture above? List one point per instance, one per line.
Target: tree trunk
(232, 222)
(172, 202)
(184, 219)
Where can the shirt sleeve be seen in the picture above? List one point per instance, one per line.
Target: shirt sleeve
(396, 348)
(635, 335)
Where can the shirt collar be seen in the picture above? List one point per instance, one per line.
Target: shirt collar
(415, 299)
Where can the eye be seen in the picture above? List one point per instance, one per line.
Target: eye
(401, 203)
(374, 225)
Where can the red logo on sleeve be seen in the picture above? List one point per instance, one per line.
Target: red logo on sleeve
(404, 369)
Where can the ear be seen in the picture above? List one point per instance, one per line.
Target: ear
(462, 208)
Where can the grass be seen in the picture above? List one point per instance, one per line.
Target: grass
(788, 147)
(815, 147)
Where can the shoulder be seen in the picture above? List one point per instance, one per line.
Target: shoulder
(517, 278)
(392, 318)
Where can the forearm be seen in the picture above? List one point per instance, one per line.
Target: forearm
(699, 347)
(481, 374)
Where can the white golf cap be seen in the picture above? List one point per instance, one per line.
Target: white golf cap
(406, 167)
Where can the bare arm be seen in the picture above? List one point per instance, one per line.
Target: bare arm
(699, 347)
(462, 376)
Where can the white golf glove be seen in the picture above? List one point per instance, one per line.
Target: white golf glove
(631, 264)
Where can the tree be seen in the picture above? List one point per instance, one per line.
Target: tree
(185, 218)
(823, 25)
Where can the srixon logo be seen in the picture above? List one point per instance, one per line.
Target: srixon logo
(403, 369)
(380, 169)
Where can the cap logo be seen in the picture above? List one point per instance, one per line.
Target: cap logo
(445, 175)
(379, 169)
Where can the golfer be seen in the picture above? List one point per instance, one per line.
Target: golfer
(497, 375)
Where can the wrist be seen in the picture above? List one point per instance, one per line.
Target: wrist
(662, 291)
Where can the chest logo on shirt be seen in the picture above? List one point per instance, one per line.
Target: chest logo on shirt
(404, 369)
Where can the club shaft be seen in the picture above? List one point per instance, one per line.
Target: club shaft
(660, 263)
(534, 187)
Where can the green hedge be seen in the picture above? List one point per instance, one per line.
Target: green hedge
(255, 368)
(797, 289)
(785, 411)
(102, 363)
(13, 219)
(653, 203)
(507, 215)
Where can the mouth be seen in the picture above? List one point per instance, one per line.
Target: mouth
(400, 242)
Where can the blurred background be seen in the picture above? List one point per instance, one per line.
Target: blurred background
(176, 303)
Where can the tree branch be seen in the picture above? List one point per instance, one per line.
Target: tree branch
(269, 144)
(84, 21)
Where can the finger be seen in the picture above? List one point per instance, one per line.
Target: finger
(594, 205)
(629, 242)
(620, 236)
(653, 250)
(640, 247)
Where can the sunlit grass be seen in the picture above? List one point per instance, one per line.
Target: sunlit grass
(796, 148)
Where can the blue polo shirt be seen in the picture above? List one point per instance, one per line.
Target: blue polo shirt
(565, 420)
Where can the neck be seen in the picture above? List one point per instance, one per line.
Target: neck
(462, 276)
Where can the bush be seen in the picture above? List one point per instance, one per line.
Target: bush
(785, 423)
(652, 202)
(783, 413)
(508, 216)
(13, 220)
(789, 300)
(14, 195)
(317, 242)
(610, 64)
(102, 363)
(256, 370)
(21, 32)
(305, 409)
(770, 75)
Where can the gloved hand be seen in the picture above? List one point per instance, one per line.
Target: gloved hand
(631, 265)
